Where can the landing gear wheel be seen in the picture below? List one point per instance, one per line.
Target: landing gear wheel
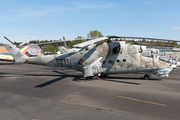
(146, 77)
(92, 78)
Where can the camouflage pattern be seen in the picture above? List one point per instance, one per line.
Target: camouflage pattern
(101, 59)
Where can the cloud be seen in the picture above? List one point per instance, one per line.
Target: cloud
(41, 12)
(81, 7)
(176, 39)
(176, 28)
(30, 12)
(17, 14)
(148, 2)
(45, 11)
(94, 5)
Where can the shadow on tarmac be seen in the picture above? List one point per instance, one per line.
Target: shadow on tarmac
(76, 77)
(123, 82)
(130, 78)
(7, 64)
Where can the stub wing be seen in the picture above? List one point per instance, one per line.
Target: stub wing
(94, 68)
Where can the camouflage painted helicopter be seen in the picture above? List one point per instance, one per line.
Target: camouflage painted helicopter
(100, 59)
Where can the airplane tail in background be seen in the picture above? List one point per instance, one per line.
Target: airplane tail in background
(24, 49)
(18, 55)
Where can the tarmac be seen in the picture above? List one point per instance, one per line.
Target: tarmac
(33, 92)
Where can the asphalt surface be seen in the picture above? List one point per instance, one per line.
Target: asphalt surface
(32, 92)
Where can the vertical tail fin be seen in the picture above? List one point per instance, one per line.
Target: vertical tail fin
(65, 45)
(63, 50)
(18, 55)
(24, 49)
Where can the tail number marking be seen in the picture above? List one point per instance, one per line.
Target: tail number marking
(62, 61)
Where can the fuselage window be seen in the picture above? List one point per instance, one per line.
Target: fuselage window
(124, 60)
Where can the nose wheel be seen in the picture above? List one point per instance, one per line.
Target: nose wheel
(147, 76)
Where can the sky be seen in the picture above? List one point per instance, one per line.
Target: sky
(22, 20)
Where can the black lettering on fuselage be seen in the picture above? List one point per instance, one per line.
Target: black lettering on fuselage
(64, 61)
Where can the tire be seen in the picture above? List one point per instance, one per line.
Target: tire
(94, 77)
(146, 77)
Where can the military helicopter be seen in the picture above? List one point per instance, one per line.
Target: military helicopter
(100, 59)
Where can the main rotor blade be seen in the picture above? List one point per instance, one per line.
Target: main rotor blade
(90, 42)
(26, 41)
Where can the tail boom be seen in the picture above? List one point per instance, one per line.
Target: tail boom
(18, 55)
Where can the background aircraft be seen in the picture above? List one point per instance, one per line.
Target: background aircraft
(7, 56)
(64, 49)
(30, 50)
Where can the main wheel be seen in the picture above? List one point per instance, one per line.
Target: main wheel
(92, 78)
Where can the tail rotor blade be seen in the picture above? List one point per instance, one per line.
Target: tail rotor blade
(8, 40)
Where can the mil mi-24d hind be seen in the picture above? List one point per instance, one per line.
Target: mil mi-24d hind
(100, 60)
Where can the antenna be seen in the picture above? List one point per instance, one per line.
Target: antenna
(65, 45)
(8, 40)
